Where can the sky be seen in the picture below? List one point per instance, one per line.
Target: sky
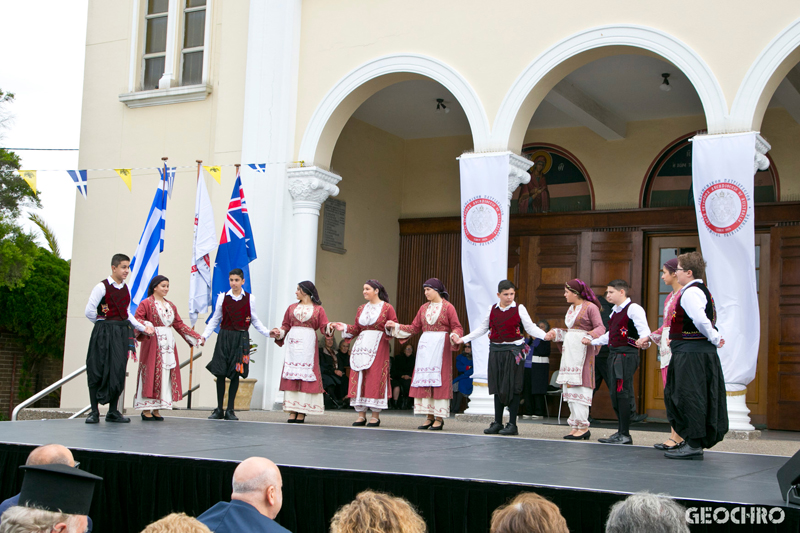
(43, 43)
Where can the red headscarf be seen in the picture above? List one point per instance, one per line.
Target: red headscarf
(583, 290)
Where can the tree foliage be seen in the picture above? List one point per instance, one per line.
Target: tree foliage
(47, 232)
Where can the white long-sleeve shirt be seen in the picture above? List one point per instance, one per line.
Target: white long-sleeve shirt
(694, 302)
(216, 318)
(96, 296)
(635, 313)
(532, 329)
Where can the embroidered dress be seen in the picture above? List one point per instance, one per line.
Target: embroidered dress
(159, 378)
(301, 380)
(369, 357)
(432, 381)
(661, 335)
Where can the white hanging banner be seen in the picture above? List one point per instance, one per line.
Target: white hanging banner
(723, 181)
(484, 240)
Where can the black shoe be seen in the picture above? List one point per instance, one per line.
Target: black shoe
(427, 425)
(158, 418)
(585, 436)
(437, 428)
(684, 451)
(217, 414)
(150, 418)
(229, 415)
(116, 417)
(510, 429)
(372, 424)
(360, 422)
(93, 418)
(592, 420)
(299, 420)
(636, 419)
(617, 438)
(494, 429)
(291, 421)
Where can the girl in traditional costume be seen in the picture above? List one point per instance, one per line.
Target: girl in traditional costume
(159, 381)
(432, 381)
(369, 354)
(576, 373)
(301, 379)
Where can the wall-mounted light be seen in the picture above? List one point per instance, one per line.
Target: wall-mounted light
(665, 86)
(440, 106)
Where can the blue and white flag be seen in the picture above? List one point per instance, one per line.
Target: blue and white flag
(258, 167)
(169, 172)
(80, 179)
(236, 247)
(144, 265)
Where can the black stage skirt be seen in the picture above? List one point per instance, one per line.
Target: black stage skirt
(506, 377)
(540, 377)
(697, 407)
(107, 357)
(231, 354)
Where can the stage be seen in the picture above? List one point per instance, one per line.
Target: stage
(456, 481)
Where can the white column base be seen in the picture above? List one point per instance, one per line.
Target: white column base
(480, 401)
(738, 412)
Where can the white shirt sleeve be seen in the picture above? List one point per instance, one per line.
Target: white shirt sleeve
(482, 329)
(254, 321)
(694, 303)
(639, 317)
(135, 323)
(216, 318)
(602, 340)
(532, 329)
(97, 294)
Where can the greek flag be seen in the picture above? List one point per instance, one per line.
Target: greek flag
(144, 265)
(80, 179)
(258, 167)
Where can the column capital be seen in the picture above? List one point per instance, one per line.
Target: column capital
(310, 187)
(517, 172)
(761, 160)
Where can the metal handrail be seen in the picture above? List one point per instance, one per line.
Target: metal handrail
(63, 381)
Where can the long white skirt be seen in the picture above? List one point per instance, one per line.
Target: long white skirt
(164, 402)
(429, 406)
(303, 402)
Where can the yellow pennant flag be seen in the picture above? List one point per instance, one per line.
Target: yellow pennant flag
(215, 172)
(30, 178)
(125, 175)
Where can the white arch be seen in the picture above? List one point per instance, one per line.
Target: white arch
(748, 105)
(655, 41)
(396, 64)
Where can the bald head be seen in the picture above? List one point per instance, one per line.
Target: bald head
(51, 454)
(257, 481)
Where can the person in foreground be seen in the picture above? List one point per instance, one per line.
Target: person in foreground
(647, 513)
(55, 498)
(377, 512)
(695, 392)
(528, 513)
(177, 523)
(256, 500)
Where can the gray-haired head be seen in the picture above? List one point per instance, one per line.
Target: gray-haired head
(644, 512)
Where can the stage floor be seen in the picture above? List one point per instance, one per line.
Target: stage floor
(722, 477)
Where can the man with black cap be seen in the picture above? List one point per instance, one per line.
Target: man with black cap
(54, 498)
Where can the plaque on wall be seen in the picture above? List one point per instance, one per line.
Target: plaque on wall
(333, 226)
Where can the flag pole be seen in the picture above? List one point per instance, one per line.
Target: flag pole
(191, 350)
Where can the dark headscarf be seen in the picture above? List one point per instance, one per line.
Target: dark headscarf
(582, 290)
(438, 286)
(154, 283)
(382, 294)
(672, 265)
(309, 288)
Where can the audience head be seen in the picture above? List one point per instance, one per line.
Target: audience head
(258, 481)
(50, 454)
(330, 343)
(377, 512)
(408, 350)
(468, 349)
(544, 325)
(344, 346)
(177, 523)
(647, 513)
(528, 513)
(20, 519)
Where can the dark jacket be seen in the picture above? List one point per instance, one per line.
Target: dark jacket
(238, 517)
(465, 368)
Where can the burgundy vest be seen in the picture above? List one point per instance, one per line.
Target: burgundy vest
(114, 305)
(621, 330)
(236, 314)
(504, 325)
(682, 327)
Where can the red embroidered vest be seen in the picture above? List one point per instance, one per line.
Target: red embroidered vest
(236, 314)
(504, 326)
(114, 305)
(682, 327)
(621, 329)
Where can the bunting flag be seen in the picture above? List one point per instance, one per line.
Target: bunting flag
(144, 265)
(30, 178)
(260, 167)
(216, 173)
(80, 179)
(125, 175)
(204, 244)
(168, 177)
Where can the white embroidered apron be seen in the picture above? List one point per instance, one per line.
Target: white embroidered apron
(428, 366)
(664, 349)
(364, 349)
(573, 355)
(299, 361)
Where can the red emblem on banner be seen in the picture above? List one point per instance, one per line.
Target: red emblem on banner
(723, 207)
(482, 220)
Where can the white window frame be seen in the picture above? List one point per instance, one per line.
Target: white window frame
(169, 89)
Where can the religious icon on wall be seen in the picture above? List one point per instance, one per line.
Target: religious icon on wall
(558, 182)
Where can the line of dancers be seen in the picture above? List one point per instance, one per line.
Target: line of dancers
(688, 340)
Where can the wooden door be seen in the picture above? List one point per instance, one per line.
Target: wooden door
(783, 410)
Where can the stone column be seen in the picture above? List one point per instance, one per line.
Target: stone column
(309, 187)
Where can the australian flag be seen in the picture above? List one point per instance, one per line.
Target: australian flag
(236, 247)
